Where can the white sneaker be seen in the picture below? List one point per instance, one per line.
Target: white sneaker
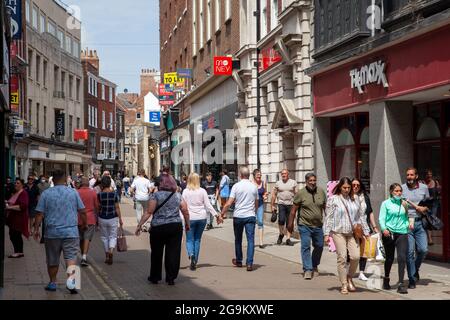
(362, 276)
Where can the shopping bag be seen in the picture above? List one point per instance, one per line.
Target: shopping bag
(380, 253)
(369, 247)
(121, 241)
(331, 245)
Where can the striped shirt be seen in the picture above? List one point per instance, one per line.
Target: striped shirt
(336, 217)
(107, 202)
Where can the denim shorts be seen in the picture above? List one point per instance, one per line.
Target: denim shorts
(283, 214)
(53, 248)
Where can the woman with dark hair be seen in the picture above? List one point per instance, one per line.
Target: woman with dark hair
(395, 225)
(109, 217)
(342, 214)
(17, 218)
(166, 229)
(360, 194)
(262, 192)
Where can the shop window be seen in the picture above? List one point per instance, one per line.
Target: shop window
(344, 138)
(428, 130)
(364, 139)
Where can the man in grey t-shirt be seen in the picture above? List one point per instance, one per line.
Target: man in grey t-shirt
(285, 191)
(415, 192)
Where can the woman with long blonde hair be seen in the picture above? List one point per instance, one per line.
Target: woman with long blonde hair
(199, 207)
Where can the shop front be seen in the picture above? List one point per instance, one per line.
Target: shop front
(380, 113)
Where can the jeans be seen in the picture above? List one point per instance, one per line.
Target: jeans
(260, 216)
(418, 249)
(306, 235)
(194, 237)
(108, 232)
(399, 242)
(249, 224)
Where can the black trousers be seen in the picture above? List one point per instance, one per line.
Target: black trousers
(165, 238)
(17, 241)
(399, 242)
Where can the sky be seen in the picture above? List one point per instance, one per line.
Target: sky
(125, 35)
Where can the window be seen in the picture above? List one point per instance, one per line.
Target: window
(263, 18)
(63, 82)
(103, 147)
(35, 18)
(78, 123)
(45, 121)
(103, 92)
(38, 68)
(201, 24)
(110, 121)
(71, 87)
(30, 62)
(227, 10)
(76, 48)
(51, 28)
(217, 19)
(89, 85)
(42, 24)
(103, 120)
(30, 106)
(38, 109)
(27, 9)
(68, 44)
(44, 73)
(70, 128)
(89, 115)
(194, 28)
(78, 89)
(60, 34)
(55, 77)
(95, 117)
(209, 22)
(111, 94)
(274, 14)
(120, 123)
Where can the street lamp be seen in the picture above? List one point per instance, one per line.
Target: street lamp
(257, 13)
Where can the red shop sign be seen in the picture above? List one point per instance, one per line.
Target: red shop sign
(223, 66)
(80, 134)
(268, 57)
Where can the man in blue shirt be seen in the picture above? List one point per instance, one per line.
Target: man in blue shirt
(415, 192)
(60, 207)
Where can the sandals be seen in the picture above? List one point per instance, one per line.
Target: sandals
(344, 289)
(350, 285)
(16, 256)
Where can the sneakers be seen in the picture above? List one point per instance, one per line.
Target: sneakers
(411, 285)
(362, 276)
(51, 287)
(386, 285)
(236, 263)
(401, 289)
(417, 277)
(289, 243)
(84, 263)
(193, 265)
(307, 275)
(316, 272)
(280, 239)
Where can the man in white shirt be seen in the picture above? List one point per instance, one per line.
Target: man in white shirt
(96, 176)
(108, 174)
(245, 196)
(141, 189)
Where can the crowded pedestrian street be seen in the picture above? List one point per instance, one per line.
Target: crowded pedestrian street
(277, 274)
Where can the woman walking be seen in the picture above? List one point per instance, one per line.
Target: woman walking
(343, 214)
(166, 229)
(361, 195)
(394, 225)
(17, 218)
(199, 208)
(109, 217)
(262, 193)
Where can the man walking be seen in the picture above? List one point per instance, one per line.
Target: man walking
(245, 196)
(95, 177)
(141, 188)
(284, 191)
(60, 207)
(415, 192)
(91, 204)
(126, 184)
(212, 189)
(33, 195)
(224, 189)
(310, 203)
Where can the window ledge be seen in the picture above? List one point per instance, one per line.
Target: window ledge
(218, 31)
(227, 21)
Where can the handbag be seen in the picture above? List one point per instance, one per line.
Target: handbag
(357, 229)
(121, 241)
(431, 222)
(368, 250)
(274, 217)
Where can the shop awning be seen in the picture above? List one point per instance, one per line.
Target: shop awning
(286, 115)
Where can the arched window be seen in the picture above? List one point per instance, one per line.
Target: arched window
(344, 138)
(364, 139)
(429, 130)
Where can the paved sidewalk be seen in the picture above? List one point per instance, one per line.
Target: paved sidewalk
(435, 277)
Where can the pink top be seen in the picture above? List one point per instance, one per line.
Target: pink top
(198, 203)
(90, 201)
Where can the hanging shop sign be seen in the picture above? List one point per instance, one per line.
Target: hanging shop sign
(167, 103)
(172, 78)
(184, 73)
(14, 94)
(369, 74)
(155, 117)
(16, 18)
(223, 66)
(60, 125)
(165, 90)
(79, 134)
(268, 57)
(18, 125)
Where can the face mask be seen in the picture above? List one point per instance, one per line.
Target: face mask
(397, 197)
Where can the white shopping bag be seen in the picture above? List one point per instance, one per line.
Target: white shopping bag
(380, 253)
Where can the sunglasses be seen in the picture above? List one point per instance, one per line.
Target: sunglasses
(356, 185)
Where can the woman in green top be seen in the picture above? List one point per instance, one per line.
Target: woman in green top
(394, 225)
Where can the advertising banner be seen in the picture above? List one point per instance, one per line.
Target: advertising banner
(172, 78)
(184, 73)
(16, 18)
(223, 66)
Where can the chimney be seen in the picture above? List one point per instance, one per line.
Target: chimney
(148, 83)
(92, 58)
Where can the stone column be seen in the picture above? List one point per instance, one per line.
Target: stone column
(322, 150)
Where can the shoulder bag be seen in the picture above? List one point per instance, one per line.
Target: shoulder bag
(357, 229)
(121, 241)
(163, 203)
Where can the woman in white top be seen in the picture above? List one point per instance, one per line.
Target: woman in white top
(342, 213)
(199, 207)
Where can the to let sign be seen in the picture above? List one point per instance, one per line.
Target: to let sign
(172, 78)
(223, 66)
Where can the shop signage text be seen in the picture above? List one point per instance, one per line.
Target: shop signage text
(60, 125)
(268, 57)
(16, 18)
(370, 73)
(172, 78)
(155, 117)
(184, 73)
(223, 66)
(80, 134)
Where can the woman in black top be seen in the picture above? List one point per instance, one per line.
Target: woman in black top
(360, 194)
